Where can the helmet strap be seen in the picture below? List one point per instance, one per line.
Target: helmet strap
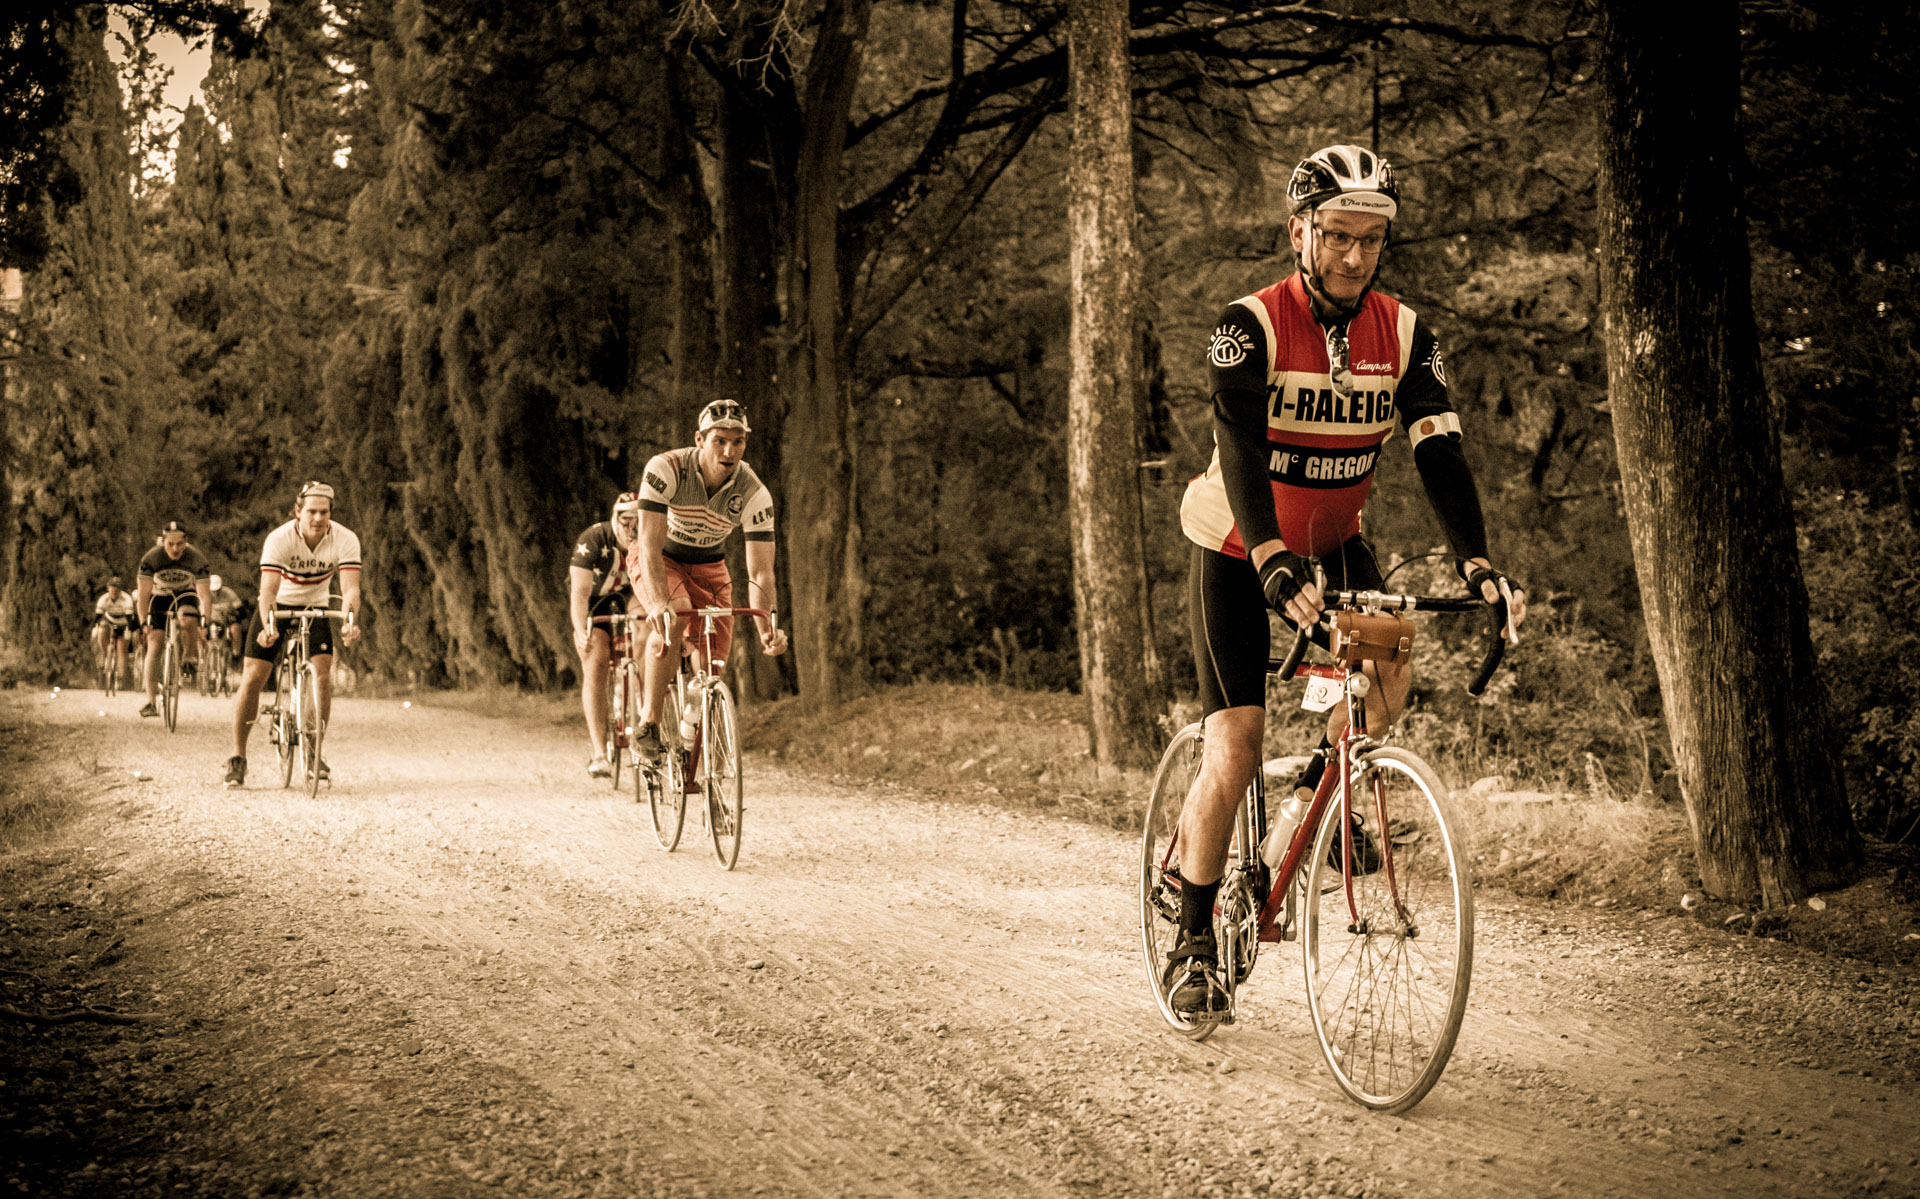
(1334, 311)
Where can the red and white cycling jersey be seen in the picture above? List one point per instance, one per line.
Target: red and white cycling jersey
(1320, 447)
(306, 571)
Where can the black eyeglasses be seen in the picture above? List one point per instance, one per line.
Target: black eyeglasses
(1341, 243)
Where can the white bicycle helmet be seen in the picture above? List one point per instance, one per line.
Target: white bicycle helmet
(1344, 179)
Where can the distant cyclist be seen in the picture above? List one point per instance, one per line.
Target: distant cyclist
(691, 500)
(297, 567)
(173, 576)
(597, 586)
(227, 611)
(1307, 379)
(113, 617)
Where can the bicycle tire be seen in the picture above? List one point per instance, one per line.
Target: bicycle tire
(722, 786)
(283, 732)
(109, 671)
(666, 792)
(1159, 897)
(616, 716)
(313, 729)
(1388, 994)
(632, 682)
(170, 684)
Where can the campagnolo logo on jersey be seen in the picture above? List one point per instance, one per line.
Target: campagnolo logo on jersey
(1229, 346)
(1372, 368)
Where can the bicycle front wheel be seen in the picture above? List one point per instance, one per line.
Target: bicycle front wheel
(1159, 856)
(109, 671)
(170, 685)
(312, 729)
(283, 725)
(1389, 952)
(721, 783)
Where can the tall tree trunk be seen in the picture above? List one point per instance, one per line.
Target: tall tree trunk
(749, 323)
(823, 531)
(1707, 504)
(1103, 457)
(691, 228)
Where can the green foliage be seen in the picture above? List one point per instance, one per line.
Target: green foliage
(1862, 564)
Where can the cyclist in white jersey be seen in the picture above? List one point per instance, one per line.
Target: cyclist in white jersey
(114, 613)
(691, 500)
(297, 567)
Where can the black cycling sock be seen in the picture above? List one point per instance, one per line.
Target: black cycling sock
(1196, 908)
(1316, 766)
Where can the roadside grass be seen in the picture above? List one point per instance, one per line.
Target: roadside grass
(1031, 750)
(30, 807)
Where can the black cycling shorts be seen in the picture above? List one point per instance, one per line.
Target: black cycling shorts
(160, 601)
(1228, 613)
(118, 632)
(614, 603)
(319, 637)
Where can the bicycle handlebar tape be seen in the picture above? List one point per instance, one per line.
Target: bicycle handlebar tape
(1496, 646)
(1294, 655)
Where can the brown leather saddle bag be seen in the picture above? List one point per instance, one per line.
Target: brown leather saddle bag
(1371, 637)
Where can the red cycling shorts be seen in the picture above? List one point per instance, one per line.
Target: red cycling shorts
(704, 585)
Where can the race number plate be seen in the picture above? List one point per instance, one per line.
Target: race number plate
(1322, 693)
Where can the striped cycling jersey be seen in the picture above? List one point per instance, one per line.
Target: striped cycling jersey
(698, 522)
(119, 610)
(1272, 388)
(305, 571)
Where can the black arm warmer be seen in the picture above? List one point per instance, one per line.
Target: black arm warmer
(1450, 489)
(1240, 431)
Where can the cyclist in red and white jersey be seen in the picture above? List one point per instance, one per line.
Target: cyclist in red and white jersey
(172, 573)
(597, 586)
(297, 567)
(691, 500)
(1308, 378)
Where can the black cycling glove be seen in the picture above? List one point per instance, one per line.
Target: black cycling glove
(1502, 583)
(1282, 576)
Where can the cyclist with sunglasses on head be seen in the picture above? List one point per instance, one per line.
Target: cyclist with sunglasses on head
(691, 501)
(1307, 379)
(597, 586)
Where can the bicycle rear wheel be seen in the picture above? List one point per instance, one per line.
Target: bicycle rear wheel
(1159, 893)
(721, 782)
(312, 729)
(664, 783)
(170, 684)
(1388, 991)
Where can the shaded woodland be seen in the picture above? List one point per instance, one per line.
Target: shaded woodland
(476, 261)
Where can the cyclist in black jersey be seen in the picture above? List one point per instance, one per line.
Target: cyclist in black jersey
(597, 586)
(1307, 379)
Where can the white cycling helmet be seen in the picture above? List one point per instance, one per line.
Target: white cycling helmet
(213, 582)
(1344, 179)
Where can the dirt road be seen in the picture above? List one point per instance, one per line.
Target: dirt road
(468, 970)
